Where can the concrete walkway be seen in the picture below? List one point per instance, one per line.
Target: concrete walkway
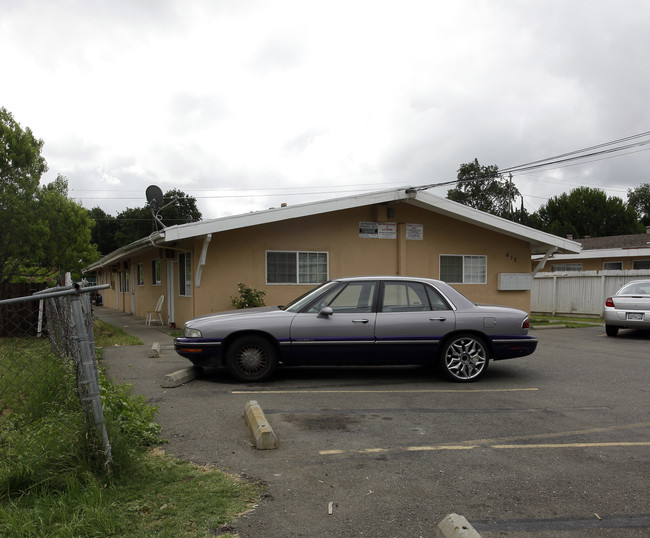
(134, 326)
(134, 364)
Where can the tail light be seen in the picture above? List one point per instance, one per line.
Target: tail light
(525, 324)
(609, 302)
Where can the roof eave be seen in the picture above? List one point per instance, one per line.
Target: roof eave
(540, 242)
(194, 229)
(124, 252)
(603, 253)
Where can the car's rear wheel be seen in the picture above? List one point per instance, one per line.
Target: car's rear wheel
(251, 359)
(611, 330)
(464, 358)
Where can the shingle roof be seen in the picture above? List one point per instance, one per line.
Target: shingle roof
(616, 241)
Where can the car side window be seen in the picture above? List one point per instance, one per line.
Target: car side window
(355, 297)
(438, 302)
(405, 297)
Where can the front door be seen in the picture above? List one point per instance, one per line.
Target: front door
(341, 324)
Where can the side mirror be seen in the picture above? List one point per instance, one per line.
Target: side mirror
(325, 312)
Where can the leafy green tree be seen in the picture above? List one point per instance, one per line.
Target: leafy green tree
(132, 224)
(587, 212)
(484, 188)
(136, 223)
(65, 229)
(182, 211)
(21, 168)
(639, 199)
(103, 233)
(41, 230)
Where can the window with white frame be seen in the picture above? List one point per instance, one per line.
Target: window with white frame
(565, 267)
(155, 272)
(140, 274)
(296, 267)
(641, 264)
(185, 274)
(463, 269)
(612, 266)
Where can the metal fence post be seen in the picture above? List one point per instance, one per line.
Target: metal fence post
(89, 382)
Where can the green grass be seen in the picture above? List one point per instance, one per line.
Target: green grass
(106, 335)
(162, 497)
(55, 482)
(570, 322)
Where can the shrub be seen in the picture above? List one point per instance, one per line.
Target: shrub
(248, 297)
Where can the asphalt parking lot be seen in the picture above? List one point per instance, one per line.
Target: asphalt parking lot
(554, 444)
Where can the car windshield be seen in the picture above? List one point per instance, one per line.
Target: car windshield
(298, 303)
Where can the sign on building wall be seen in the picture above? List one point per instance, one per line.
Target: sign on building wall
(378, 230)
(388, 230)
(415, 232)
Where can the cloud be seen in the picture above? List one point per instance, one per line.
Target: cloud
(312, 98)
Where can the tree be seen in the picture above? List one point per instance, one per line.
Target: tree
(136, 223)
(587, 212)
(132, 224)
(639, 199)
(21, 168)
(41, 230)
(483, 188)
(65, 230)
(103, 233)
(182, 211)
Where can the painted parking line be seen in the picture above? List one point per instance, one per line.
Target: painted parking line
(379, 391)
(502, 443)
(575, 445)
(497, 447)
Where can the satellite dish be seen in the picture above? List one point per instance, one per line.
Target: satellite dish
(154, 197)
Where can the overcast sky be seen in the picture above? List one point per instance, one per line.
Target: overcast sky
(248, 104)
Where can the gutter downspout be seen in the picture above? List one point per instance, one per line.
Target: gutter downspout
(541, 263)
(201, 264)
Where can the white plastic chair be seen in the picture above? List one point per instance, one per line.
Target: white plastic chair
(152, 314)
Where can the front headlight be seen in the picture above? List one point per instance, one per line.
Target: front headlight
(192, 333)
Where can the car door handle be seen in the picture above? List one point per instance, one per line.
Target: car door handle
(437, 319)
(359, 321)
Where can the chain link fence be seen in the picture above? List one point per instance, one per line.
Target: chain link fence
(48, 368)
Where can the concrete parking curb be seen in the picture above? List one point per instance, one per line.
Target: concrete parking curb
(179, 377)
(455, 526)
(261, 432)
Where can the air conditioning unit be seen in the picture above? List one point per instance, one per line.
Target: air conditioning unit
(515, 281)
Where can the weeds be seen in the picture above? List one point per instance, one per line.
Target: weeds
(53, 480)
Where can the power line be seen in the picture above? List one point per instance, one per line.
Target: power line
(558, 159)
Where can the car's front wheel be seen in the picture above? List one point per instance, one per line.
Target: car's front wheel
(611, 330)
(251, 359)
(464, 358)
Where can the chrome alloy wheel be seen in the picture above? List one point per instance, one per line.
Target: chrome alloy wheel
(465, 358)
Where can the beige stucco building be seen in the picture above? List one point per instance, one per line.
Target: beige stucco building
(289, 250)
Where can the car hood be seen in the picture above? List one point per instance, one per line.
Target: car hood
(233, 314)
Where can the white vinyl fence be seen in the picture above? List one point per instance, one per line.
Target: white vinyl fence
(579, 292)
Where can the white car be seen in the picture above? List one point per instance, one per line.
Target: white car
(629, 308)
